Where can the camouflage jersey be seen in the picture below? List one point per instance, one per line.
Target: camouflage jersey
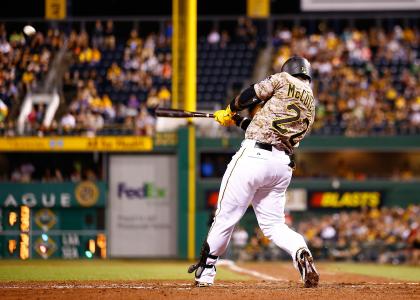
(288, 112)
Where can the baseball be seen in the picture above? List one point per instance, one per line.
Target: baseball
(29, 30)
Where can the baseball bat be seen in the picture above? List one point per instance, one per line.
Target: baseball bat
(179, 113)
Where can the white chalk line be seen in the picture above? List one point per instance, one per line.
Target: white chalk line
(232, 266)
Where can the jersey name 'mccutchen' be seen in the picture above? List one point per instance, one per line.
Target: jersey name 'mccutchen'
(288, 112)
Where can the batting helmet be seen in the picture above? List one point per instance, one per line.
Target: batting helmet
(298, 66)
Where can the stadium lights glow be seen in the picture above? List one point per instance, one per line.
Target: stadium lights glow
(44, 237)
(43, 249)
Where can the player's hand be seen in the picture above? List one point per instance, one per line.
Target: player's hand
(224, 116)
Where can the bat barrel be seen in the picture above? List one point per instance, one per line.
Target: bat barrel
(178, 113)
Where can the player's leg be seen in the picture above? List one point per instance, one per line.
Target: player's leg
(269, 205)
(269, 208)
(216, 242)
(234, 198)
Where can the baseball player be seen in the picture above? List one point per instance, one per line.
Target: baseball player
(260, 172)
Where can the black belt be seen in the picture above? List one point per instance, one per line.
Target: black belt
(269, 147)
(263, 146)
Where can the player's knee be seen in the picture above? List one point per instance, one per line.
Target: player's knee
(267, 229)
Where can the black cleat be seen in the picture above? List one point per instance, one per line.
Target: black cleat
(193, 267)
(306, 266)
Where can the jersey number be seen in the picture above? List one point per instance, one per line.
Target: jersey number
(278, 123)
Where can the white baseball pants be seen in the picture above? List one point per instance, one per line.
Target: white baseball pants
(258, 177)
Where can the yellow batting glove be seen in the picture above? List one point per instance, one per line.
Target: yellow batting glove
(224, 116)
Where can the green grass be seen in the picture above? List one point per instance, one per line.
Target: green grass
(409, 273)
(38, 270)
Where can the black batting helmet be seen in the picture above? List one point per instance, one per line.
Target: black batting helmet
(298, 66)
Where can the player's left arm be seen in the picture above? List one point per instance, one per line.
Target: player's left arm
(256, 93)
(246, 99)
(251, 96)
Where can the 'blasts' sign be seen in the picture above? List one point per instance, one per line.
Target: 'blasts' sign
(345, 199)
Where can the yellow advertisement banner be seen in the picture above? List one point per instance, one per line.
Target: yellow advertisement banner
(75, 144)
(55, 9)
(345, 199)
(258, 8)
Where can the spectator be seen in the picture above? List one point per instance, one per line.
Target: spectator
(253, 250)
(224, 39)
(415, 245)
(144, 123)
(98, 35)
(134, 42)
(68, 122)
(107, 107)
(214, 36)
(16, 175)
(4, 46)
(109, 39)
(239, 242)
(114, 73)
(153, 99)
(93, 122)
(90, 175)
(133, 105)
(26, 171)
(164, 96)
(3, 111)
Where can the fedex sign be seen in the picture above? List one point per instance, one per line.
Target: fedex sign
(144, 191)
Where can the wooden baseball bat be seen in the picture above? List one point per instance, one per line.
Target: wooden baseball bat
(179, 113)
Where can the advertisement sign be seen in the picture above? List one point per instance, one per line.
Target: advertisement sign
(143, 206)
(345, 199)
(53, 195)
(368, 5)
(258, 8)
(79, 144)
(55, 9)
(296, 200)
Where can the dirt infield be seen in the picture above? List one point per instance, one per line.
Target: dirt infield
(285, 286)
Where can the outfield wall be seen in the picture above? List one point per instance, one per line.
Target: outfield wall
(144, 209)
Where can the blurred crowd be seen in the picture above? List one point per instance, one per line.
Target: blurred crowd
(406, 171)
(366, 81)
(135, 71)
(385, 235)
(245, 33)
(24, 63)
(27, 172)
(117, 84)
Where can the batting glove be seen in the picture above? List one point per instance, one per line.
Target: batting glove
(224, 116)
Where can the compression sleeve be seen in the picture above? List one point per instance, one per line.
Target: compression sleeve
(245, 99)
